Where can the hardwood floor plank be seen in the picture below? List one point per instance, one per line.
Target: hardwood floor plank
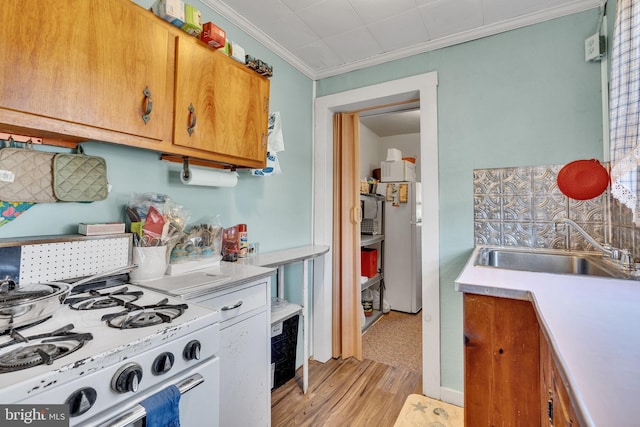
(344, 393)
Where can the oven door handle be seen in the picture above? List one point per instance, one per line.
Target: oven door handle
(138, 412)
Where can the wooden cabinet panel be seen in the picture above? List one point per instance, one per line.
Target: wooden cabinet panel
(502, 380)
(86, 62)
(556, 408)
(221, 107)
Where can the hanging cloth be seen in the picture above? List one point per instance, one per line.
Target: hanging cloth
(624, 112)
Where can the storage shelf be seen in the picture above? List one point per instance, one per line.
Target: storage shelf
(370, 239)
(370, 320)
(285, 313)
(372, 281)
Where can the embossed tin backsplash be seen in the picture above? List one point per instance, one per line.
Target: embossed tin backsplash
(518, 206)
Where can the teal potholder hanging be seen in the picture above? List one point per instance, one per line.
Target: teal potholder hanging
(79, 178)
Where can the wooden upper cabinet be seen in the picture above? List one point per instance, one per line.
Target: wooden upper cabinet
(221, 106)
(86, 63)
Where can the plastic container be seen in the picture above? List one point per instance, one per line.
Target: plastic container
(151, 262)
(243, 242)
(368, 262)
(284, 341)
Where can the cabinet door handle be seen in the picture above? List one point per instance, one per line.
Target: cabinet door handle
(192, 119)
(148, 105)
(231, 307)
(356, 215)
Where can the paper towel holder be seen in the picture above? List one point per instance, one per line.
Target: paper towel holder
(186, 173)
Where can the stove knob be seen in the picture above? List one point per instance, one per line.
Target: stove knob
(192, 350)
(81, 401)
(127, 378)
(162, 364)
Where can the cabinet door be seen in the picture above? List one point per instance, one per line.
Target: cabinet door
(86, 62)
(557, 410)
(221, 106)
(502, 380)
(244, 383)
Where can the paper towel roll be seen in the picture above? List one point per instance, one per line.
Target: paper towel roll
(210, 178)
(393, 154)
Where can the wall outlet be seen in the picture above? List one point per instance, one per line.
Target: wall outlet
(594, 48)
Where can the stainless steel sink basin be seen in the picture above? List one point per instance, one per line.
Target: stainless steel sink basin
(548, 261)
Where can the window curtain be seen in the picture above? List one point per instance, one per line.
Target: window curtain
(624, 101)
(347, 309)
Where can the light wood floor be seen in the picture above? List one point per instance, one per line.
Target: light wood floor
(344, 393)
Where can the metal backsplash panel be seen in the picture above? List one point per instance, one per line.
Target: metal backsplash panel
(518, 207)
(53, 258)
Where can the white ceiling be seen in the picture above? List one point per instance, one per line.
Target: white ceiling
(322, 38)
(392, 123)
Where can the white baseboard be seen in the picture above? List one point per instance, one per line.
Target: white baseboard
(454, 397)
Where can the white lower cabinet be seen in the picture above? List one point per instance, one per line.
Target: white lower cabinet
(245, 353)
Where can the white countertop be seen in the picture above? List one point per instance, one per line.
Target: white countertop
(593, 326)
(202, 282)
(285, 256)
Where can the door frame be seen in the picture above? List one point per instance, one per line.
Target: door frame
(424, 87)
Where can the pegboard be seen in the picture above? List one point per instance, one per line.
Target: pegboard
(67, 260)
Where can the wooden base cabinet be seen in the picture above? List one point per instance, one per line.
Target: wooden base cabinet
(501, 385)
(510, 377)
(556, 409)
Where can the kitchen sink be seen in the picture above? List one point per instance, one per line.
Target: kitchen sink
(549, 261)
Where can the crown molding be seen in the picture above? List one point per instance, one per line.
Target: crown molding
(533, 18)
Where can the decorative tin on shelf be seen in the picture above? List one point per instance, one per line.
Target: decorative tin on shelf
(259, 66)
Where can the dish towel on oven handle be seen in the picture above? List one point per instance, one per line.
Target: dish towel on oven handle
(163, 408)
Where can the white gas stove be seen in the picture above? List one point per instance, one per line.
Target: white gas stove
(102, 371)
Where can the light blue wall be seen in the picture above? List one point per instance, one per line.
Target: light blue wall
(277, 209)
(521, 98)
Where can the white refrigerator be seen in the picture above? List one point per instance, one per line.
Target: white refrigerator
(402, 270)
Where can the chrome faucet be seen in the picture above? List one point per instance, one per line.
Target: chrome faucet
(620, 256)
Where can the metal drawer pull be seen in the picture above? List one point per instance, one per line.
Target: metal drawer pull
(231, 307)
(192, 119)
(147, 111)
(138, 412)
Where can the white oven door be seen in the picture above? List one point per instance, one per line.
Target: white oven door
(199, 400)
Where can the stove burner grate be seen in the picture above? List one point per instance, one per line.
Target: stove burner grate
(99, 300)
(42, 349)
(142, 316)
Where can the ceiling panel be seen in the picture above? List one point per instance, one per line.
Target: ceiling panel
(322, 38)
(371, 11)
(330, 17)
(446, 17)
(410, 30)
(354, 45)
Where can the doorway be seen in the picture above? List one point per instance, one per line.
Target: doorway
(424, 87)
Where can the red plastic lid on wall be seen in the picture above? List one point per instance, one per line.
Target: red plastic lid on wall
(583, 179)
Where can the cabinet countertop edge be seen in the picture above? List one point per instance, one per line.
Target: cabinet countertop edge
(590, 324)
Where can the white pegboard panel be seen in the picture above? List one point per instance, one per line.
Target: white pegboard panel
(67, 260)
